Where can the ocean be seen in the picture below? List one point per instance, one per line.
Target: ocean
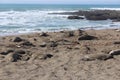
(28, 18)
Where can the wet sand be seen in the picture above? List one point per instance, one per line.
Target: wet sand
(60, 55)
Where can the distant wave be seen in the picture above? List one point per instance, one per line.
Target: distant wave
(118, 9)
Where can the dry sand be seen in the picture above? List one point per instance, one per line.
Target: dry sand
(59, 56)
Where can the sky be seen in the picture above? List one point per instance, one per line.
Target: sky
(62, 1)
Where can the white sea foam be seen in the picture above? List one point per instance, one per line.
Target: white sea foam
(118, 9)
(28, 20)
(13, 22)
(25, 18)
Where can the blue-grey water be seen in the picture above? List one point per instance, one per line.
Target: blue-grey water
(25, 18)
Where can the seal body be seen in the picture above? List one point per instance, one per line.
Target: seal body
(97, 57)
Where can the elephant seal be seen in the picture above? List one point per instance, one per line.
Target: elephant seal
(92, 57)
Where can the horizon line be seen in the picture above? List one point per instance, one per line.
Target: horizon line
(59, 4)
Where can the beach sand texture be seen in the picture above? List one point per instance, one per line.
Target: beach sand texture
(60, 56)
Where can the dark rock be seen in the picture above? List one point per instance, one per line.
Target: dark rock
(116, 20)
(19, 52)
(102, 15)
(43, 45)
(46, 56)
(7, 52)
(17, 39)
(81, 32)
(27, 43)
(16, 57)
(69, 48)
(2, 57)
(3, 53)
(44, 34)
(53, 44)
(62, 31)
(96, 17)
(75, 17)
(96, 14)
(69, 34)
(65, 68)
(117, 42)
(64, 42)
(20, 55)
(86, 37)
(35, 39)
(25, 58)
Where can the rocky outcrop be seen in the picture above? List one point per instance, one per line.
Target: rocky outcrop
(95, 14)
(102, 15)
(116, 20)
(75, 17)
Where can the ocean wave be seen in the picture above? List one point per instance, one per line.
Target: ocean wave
(117, 9)
(28, 17)
(15, 22)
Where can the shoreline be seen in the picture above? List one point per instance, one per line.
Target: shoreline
(52, 31)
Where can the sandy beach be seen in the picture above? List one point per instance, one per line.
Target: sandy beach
(65, 55)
